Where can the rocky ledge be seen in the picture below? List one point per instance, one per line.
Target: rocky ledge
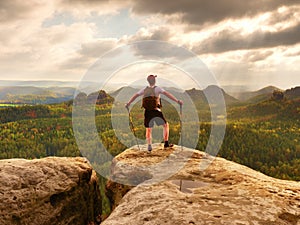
(223, 193)
(48, 191)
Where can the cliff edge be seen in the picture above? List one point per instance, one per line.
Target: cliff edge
(49, 191)
(223, 193)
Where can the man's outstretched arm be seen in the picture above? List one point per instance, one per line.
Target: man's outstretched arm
(172, 97)
(131, 100)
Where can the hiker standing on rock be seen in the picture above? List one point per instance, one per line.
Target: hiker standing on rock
(152, 105)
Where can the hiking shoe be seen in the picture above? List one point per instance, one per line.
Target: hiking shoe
(149, 148)
(168, 145)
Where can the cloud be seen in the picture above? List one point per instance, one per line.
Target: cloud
(86, 8)
(203, 11)
(160, 50)
(87, 54)
(45, 49)
(284, 15)
(76, 63)
(20, 10)
(255, 56)
(17, 10)
(40, 38)
(293, 52)
(85, 2)
(230, 40)
(28, 47)
(154, 43)
(256, 68)
(159, 33)
(97, 48)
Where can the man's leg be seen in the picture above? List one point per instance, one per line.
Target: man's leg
(147, 124)
(149, 137)
(166, 132)
(166, 136)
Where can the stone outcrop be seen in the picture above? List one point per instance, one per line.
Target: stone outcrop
(48, 191)
(223, 193)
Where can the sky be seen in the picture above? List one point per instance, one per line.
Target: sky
(245, 43)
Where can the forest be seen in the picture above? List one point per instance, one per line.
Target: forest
(264, 136)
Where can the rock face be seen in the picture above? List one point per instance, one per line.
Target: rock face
(48, 191)
(223, 193)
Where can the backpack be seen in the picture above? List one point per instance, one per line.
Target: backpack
(150, 101)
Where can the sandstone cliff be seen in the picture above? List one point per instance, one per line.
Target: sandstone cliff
(48, 191)
(223, 193)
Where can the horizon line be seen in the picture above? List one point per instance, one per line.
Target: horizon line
(121, 85)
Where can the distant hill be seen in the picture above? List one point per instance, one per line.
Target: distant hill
(124, 91)
(293, 93)
(82, 85)
(200, 96)
(255, 96)
(212, 91)
(267, 92)
(44, 94)
(98, 97)
(123, 94)
(265, 110)
(5, 92)
(35, 95)
(38, 83)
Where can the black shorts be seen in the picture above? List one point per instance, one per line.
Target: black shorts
(152, 116)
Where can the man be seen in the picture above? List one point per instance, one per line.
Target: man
(152, 105)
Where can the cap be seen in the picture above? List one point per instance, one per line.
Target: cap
(151, 77)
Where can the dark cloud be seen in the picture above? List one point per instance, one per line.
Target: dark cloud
(159, 50)
(229, 40)
(154, 44)
(16, 10)
(97, 48)
(209, 11)
(162, 34)
(75, 63)
(12, 10)
(86, 55)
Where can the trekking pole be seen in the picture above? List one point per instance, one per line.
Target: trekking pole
(132, 127)
(181, 126)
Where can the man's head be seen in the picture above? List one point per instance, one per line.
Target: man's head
(151, 79)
